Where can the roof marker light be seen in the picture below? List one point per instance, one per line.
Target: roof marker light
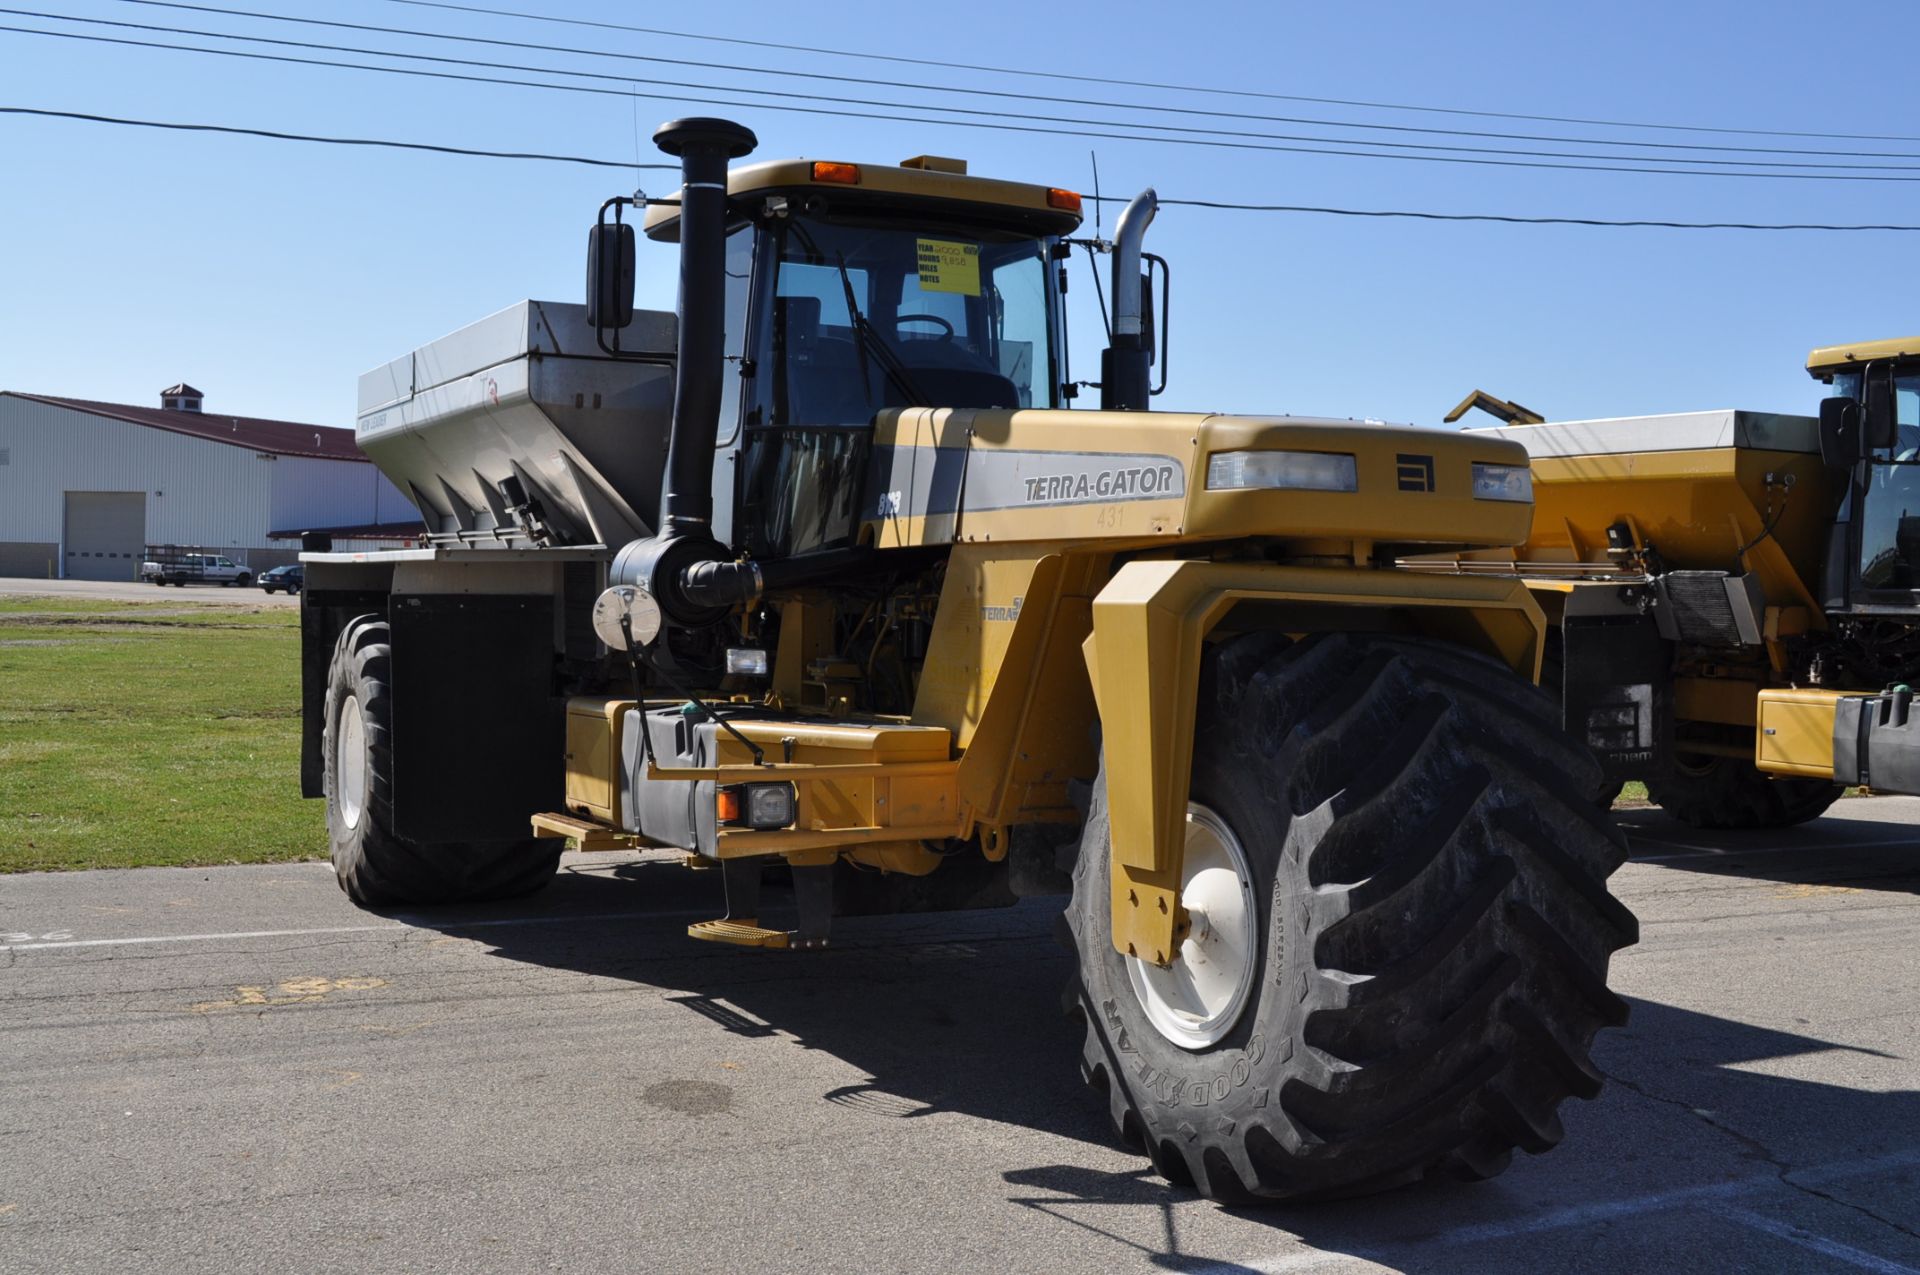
(829, 171)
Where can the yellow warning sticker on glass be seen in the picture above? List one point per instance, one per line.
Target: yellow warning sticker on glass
(946, 266)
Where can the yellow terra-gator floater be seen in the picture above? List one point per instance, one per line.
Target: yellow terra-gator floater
(828, 571)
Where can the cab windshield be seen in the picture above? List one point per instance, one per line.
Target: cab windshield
(869, 315)
(1890, 509)
(1890, 529)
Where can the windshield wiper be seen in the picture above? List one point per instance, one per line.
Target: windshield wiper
(870, 338)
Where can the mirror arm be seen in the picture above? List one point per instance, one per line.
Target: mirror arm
(663, 358)
(1166, 313)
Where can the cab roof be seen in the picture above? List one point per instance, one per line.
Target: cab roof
(1047, 210)
(1828, 359)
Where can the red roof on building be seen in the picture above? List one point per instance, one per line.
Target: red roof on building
(281, 438)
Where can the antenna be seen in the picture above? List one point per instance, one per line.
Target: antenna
(633, 91)
(1095, 157)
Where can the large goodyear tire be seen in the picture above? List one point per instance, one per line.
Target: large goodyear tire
(376, 867)
(1430, 926)
(1727, 792)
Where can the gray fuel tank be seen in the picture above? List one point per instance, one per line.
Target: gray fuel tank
(675, 811)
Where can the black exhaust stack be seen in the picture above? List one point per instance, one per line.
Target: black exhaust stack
(684, 542)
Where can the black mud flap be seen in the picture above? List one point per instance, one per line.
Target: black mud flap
(479, 734)
(1618, 697)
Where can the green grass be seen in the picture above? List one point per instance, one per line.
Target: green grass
(136, 734)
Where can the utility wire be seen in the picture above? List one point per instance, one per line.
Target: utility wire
(278, 136)
(1518, 220)
(840, 99)
(944, 89)
(1212, 204)
(1100, 132)
(1028, 73)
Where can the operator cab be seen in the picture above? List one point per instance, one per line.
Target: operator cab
(1877, 532)
(854, 289)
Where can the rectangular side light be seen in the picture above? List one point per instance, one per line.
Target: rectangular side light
(1289, 471)
(1503, 482)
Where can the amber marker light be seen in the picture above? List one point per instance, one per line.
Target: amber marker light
(828, 171)
(726, 805)
(1065, 200)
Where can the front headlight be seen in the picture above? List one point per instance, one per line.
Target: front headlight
(1291, 471)
(1503, 482)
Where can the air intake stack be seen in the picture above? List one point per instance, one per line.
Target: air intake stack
(685, 543)
(703, 147)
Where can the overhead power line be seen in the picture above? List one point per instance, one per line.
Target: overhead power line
(1213, 204)
(1515, 220)
(943, 89)
(943, 110)
(1031, 73)
(279, 136)
(1098, 129)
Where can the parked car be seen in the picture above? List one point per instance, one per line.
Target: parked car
(288, 578)
(164, 567)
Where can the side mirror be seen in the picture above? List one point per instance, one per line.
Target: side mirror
(1839, 432)
(1147, 325)
(1154, 324)
(1876, 417)
(610, 275)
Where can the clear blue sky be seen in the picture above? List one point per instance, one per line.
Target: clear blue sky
(271, 274)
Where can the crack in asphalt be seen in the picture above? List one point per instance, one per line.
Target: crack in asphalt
(1762, 1151)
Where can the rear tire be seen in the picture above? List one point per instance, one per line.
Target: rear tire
(1431, 935)
(1726, 792)
(376, 866)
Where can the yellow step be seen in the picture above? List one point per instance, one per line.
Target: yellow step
(582, 834)
(739, 933)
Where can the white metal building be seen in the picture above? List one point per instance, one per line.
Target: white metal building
(86, 486)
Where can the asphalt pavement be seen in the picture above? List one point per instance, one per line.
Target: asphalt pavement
(137, 591)
(233, 1069)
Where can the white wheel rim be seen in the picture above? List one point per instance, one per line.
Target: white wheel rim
(349, 762)
(1197, 1000)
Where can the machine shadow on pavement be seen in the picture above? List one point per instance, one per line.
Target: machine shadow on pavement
(945, 1011)
(975, 1028)
(1700, 1126)
(1828, 852)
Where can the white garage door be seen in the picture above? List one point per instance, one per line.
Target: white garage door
(106, 534)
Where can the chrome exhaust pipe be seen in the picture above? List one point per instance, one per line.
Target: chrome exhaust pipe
(1124, 366)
